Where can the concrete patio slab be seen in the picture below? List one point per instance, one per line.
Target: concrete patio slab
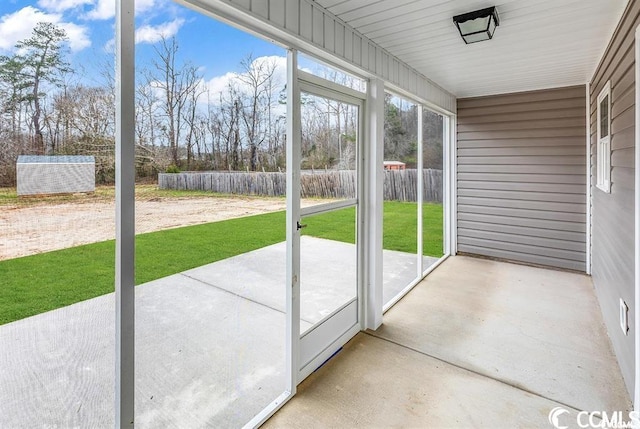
(373, 383)
(209, 343)
(399, 269)
(57, 368)
(327, 276)
(534, 328)
(204, 358)
(476, 344)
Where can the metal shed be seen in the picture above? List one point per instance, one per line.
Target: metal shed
(38, 174)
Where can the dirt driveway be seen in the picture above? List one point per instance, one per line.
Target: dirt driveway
(37, 228)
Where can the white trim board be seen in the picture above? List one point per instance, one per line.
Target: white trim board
(636, 399)
(292, 217)
(588, 190)
(451, 187)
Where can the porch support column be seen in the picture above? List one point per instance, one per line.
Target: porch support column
(374, 181)
(450, 184)
(125, 216)
(636, 309)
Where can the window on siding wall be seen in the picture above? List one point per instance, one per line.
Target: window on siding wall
(604, 139)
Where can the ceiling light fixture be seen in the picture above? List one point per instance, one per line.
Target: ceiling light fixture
(478, 25)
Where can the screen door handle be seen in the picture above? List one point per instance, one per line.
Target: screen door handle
(300, 225)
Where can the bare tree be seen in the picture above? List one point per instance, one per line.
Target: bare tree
(190, 115)
(214, 128)
(257, 76)
(147, 104)
(94, 111)
(230, 127)
(176, 82)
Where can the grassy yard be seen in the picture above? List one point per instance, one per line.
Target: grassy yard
(43, 282)
(399, 231)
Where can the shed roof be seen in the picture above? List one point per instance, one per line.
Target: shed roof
(56, 159)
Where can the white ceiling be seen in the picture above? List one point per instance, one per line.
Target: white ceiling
(539, 43)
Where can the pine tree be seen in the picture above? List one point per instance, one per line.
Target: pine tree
(41, 57)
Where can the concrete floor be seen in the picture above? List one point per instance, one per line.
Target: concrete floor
(400, 269)
(210, 342)
(477, 344)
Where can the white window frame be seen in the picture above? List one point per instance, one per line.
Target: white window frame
(603, 148)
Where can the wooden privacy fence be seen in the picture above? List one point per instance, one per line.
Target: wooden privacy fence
(402, 185)
(399, 185)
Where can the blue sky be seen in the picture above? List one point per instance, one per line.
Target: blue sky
(215, 47)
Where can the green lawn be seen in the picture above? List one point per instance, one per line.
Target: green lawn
(399, 230)
(39, 283)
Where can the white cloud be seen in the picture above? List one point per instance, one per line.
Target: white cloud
(110, 46)
(150, 34)
(153, 34)
(78, 35)
(103, 9)
(19, 25)
(106, 9)
(62, 5)
(219, 84)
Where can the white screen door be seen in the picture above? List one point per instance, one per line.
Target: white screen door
(327, 230)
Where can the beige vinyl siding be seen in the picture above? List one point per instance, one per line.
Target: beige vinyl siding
(521, 177)
(613, 214)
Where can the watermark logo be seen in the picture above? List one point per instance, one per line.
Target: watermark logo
(594, 419)
(554, 417)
